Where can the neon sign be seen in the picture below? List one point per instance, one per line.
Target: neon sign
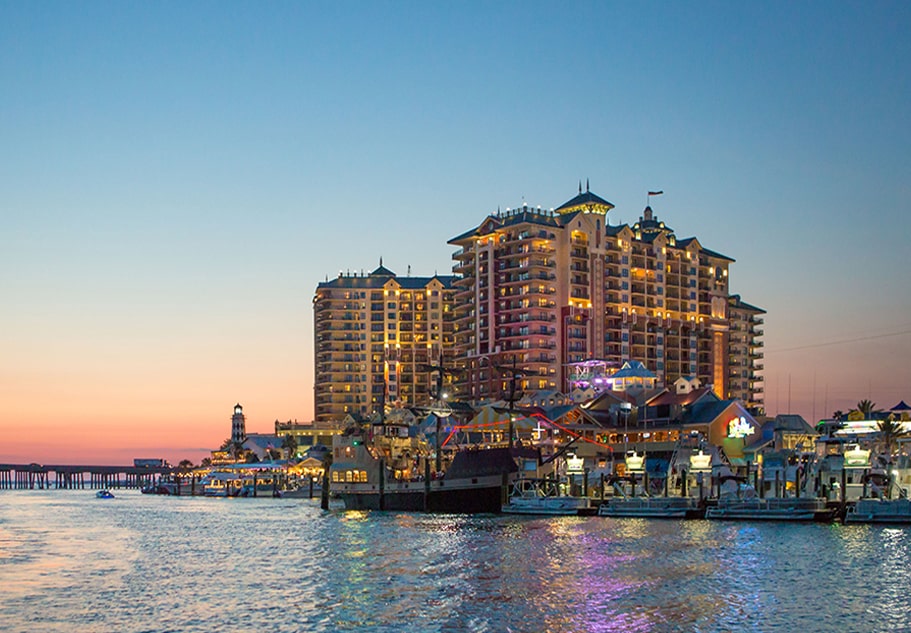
(739, 427)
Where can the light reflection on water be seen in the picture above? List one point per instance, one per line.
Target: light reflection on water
(70, 562)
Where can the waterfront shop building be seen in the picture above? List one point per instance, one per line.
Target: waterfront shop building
(310, 434)
(377, 336)
(548, 289)
(657, 424)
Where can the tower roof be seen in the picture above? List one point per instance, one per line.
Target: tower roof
(585, 201)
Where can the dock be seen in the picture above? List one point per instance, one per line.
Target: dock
(72, 477)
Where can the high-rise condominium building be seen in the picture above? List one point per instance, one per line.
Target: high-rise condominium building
(377, 338)
(745, 357)
(540, 290)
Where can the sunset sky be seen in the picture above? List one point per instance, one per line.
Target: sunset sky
(176, 178)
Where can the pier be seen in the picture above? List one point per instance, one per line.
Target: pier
(64, 477)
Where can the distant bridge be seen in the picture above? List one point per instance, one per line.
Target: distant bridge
(39, 476)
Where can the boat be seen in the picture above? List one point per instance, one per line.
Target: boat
(843, 469)
(220, 483)
(104, 494)
(688, 465)
(386, 467)
(884, 496)
(541, 496)
(309, 489)
(754, 508)
(652, 507)
(175, 484)
(879, 511)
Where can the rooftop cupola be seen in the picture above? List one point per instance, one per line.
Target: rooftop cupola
(586, 202)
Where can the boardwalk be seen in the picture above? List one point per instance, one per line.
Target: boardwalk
(45, 476)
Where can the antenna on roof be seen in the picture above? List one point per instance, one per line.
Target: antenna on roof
(580, 185)
(381, 261)
(586, 185)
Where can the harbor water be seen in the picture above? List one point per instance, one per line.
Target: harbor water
(70, 562)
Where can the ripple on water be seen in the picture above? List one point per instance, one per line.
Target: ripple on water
(141, 563)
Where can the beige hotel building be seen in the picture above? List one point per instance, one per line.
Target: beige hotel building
(537, 290)
(377, 336)
(544, 289)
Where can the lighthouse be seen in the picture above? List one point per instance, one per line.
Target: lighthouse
(238, 426)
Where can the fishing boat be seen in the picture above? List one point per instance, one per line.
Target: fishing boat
(541, 496)
(687, 464)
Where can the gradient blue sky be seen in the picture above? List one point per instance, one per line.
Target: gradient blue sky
(176, 178)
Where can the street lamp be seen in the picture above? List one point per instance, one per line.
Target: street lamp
(625, 409)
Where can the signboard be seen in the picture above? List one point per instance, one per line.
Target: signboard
(574, 464)
(739, 427)
(635, 462)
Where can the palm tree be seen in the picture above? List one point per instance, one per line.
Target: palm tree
(185, 464)
(289, 443)
(867, 408)
(889, 432)
(838, 415)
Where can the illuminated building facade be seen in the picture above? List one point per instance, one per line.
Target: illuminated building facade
(376, 336)
(745, 357)
(547, 289)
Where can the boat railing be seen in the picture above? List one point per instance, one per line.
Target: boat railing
(773, 503)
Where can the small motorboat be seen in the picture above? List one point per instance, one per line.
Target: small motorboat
(104, 494)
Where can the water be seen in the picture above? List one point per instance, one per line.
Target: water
(72, 563)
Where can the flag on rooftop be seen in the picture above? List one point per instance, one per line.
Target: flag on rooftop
(655, 193)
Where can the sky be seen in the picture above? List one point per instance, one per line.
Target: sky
(177, 177)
